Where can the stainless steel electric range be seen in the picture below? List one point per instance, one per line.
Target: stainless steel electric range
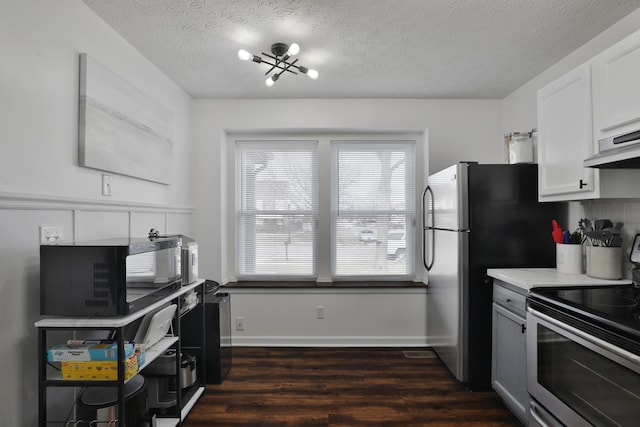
(584, 356)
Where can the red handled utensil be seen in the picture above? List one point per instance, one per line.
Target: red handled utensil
(557, 231)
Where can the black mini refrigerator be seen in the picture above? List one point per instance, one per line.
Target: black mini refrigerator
(217, 330)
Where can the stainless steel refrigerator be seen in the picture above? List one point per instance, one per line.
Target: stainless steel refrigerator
(476, 217)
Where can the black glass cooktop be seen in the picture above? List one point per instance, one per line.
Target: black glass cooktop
(608, 309)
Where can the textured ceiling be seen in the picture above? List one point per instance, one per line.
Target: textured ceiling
(480, 49)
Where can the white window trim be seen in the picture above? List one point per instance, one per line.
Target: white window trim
(324, 137)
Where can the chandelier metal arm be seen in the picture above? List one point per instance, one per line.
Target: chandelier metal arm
(277, 63)
(287, 68)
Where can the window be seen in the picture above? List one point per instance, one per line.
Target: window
(276, 209)
(325, 210)
(372, 207)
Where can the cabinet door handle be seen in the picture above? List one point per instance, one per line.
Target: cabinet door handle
(583, 184)
(524, 328)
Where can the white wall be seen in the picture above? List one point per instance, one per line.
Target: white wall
(455, 129)
(39, 44)
(40, 180)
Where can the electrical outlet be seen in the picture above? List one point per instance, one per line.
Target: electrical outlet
(51, 235)
(239, 323)
(319, 312)
(106, 185)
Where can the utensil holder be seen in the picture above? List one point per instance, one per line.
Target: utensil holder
(604, 262)
(569, 258)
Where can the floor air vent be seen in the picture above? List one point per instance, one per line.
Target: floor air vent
(419, 354)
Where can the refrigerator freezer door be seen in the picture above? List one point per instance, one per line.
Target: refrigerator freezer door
(449, 191)
(446, 300)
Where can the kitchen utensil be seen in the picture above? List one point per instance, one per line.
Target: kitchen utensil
(566, 235)
(616, 241)
(557, 231)
(585, 224)
(575, 238)
(600, 224)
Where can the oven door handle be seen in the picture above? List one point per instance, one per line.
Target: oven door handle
(626, 355)
(541, 417)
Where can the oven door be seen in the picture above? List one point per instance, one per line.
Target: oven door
(578, 378)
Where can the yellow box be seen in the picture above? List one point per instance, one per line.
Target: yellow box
(98, 369)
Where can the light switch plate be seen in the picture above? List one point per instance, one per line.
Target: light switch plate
(106, 185)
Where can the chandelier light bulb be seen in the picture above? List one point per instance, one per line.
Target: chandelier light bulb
(294, 49)
(271, 80)
(244, 55)
(313, 74)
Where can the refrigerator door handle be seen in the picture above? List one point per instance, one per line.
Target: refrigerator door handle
(425, 211)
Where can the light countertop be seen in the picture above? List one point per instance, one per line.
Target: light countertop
(528, 278)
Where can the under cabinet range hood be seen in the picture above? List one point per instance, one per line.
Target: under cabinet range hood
(620, 152)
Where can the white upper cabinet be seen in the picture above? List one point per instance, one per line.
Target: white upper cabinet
(598, 99)
(616, 88)
(565, 138)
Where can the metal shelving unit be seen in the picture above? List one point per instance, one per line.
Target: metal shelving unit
(115, 327)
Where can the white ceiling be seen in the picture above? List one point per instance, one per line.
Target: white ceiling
(476, 49)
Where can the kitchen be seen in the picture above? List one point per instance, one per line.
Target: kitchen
(52, 190)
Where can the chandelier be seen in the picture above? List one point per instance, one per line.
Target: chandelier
(279, 60)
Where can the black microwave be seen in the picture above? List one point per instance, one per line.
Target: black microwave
(108, 277)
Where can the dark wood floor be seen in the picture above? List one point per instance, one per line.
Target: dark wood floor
(342, 387)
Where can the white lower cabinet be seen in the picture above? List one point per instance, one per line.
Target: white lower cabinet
(509, 350)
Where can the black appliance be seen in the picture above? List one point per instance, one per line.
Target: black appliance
(108, 277)
(477, 217)
(217, 329)
(583, 357)
(162, 390)
(98, 405)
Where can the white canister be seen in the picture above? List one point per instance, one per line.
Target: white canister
(604, 262)
(520, 148)
(569, 258)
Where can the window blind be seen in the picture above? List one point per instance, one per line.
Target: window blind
(372, 209)
(277, 209)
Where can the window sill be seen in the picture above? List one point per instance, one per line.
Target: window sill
(323, 285)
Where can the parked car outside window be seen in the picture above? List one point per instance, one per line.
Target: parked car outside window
(367, 236)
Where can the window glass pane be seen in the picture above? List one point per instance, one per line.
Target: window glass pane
(371, 245)
(277, 215)
(373, 209)
(280, 245)
(371, 180)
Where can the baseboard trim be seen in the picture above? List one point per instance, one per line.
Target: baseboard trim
(278, 341)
